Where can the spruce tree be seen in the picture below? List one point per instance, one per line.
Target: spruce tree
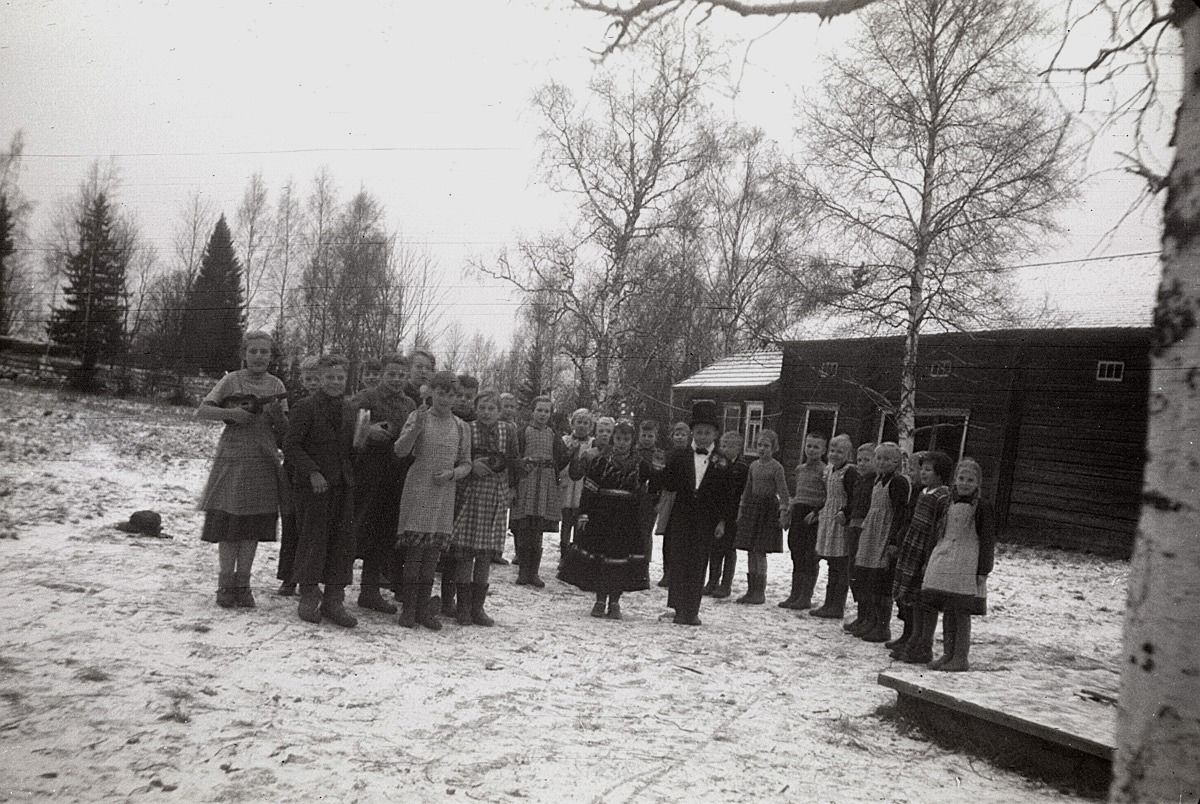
(7, 250)
(214, 320)
(91, 322)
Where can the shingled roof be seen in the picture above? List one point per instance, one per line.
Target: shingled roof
(743, 370)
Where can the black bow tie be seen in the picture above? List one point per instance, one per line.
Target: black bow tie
(701, 451)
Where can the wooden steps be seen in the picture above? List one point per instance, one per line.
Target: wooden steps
(1053, 722)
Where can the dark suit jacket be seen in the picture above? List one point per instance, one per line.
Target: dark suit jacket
(694, 517)
(312, 444)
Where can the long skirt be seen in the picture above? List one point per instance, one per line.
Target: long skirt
(608, 551)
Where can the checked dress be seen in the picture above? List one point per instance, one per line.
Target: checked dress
(918, 543)
(479, 527)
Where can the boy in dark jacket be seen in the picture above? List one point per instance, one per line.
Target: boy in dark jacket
(319, 447)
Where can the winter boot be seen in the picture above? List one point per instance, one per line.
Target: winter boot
(426, 616)
(535, 563)
(309, 607)
(755, 596)
(463, 615)
(947, 641)
(599, 607)
(226, 595)
(896, 645)
(333, 606)
(369, 597)
(794, 597)
(958, 661)
(880, 630)
(867, 614)
(860, 613)
(449, 607)
(727, 568)
(479, 594)
(241, 590)
(408, 605)
(714, 577)
(522, 559)
(834, 607)
(286, 589)
(614, 606)
(919, 649)
(808, 582)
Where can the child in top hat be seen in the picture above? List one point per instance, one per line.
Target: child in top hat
(701, 479)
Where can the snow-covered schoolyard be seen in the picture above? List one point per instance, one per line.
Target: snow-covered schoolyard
(120, 678)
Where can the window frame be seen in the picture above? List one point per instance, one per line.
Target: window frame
(753, 428)
(1103, 376)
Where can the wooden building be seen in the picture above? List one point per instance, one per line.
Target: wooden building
(1056, 417)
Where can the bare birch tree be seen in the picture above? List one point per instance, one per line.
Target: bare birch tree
(1158, 724)
(626, 151)
(934, 166)
(252, 237)
(285, 255)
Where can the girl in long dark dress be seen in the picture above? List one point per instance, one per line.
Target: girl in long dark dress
(608, 552)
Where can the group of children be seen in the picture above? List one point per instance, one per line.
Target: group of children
(422, 471)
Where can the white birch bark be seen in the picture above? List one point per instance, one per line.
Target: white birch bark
(1158, 723)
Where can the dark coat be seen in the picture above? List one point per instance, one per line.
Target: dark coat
(315, 444)
(694, 518)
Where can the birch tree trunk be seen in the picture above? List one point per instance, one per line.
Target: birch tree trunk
(1158, 723)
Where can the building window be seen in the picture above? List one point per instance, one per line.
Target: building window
(940, 369)
(754, 426)
(1110, 370)
(827, 370)
(820, 419)
(731, 420)
(941, 429)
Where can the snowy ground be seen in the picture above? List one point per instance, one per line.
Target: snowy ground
(120, 678)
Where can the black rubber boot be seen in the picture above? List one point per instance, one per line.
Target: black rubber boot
(479, 595)
(728, 566)
(333, 607)
(896, 645)
(808, 582)
(834, 607)
(881, 627)
(714, 577)
(601, 605)
(867, 614)
(309, 608)
(465, 590)
(408, 605)
(794, 597)
(535, 561)
(426, 616)
(919, 649)
(369, 597)
(449, 607)
(958, 661)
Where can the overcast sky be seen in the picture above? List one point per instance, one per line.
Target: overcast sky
(423, 104)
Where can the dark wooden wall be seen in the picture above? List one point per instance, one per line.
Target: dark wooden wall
(1062, 453)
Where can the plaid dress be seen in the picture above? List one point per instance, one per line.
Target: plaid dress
(538, 494)
(917, 543)
(479, 525)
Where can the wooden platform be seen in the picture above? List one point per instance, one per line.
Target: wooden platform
(1056, 723)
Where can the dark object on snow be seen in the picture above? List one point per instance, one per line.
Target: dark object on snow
(143, 523)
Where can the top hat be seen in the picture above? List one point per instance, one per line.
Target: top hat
(704, 411)
(147, 523)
